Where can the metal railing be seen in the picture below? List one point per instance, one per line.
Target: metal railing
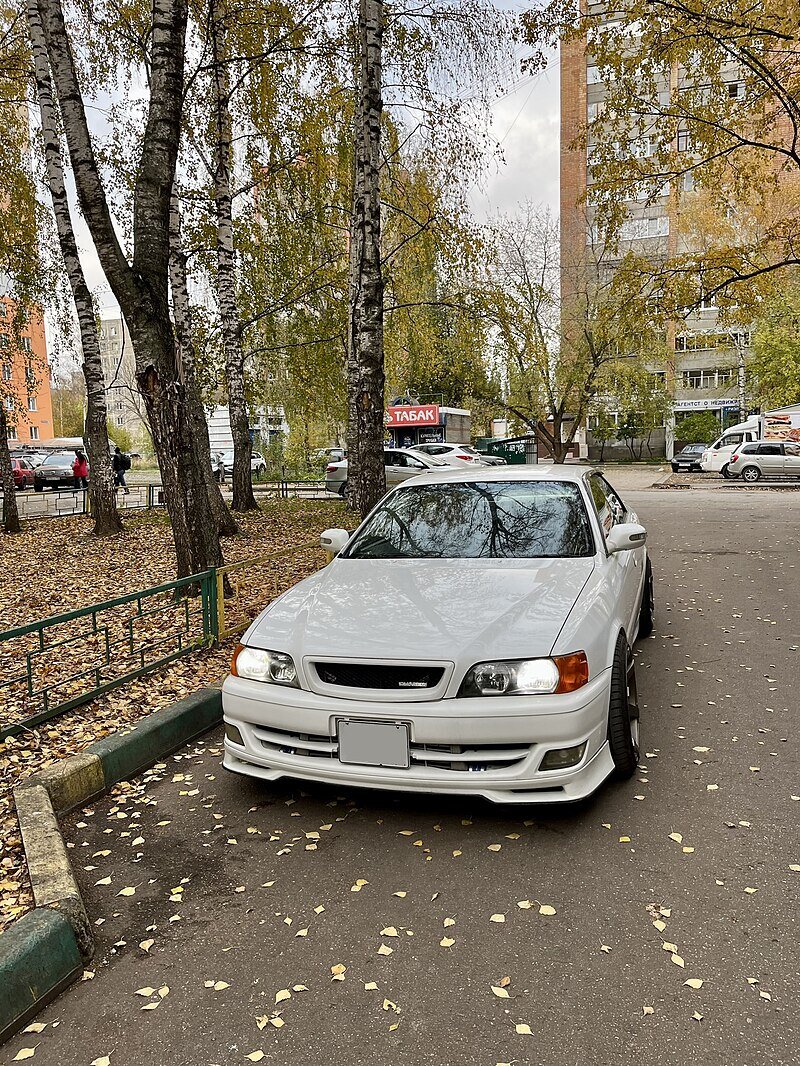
(52, 665)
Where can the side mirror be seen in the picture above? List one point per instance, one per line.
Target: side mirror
(334, 540)
(625, 537)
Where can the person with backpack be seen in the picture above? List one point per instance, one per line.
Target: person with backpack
(80, 470)
(120, 462)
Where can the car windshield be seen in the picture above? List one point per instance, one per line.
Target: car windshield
(478, 520)
(60, 461)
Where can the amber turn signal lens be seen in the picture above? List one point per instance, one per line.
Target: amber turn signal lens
(573, 671)
(239, 647)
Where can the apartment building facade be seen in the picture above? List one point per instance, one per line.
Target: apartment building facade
(25, 378)
(125, 406)
(705, 366)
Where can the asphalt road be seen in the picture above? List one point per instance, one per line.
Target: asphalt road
(243, 892)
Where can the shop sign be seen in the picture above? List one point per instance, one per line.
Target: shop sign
(704, 405)
(421, 415)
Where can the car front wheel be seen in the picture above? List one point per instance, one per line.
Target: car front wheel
(751, 474)
(623, 712)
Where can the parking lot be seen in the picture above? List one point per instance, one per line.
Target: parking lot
(656, 924)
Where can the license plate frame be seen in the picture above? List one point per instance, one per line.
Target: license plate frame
(366, 742)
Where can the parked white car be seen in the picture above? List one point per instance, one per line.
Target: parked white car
(458, 454)
(473, 636)
(400, 464)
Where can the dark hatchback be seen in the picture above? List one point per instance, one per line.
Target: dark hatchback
(688, 458)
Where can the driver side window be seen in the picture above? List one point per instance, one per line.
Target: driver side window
(610, 508)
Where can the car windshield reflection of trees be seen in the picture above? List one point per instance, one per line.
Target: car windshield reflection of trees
(474, 520)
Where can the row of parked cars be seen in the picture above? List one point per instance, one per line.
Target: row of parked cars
(750, 461)
(42, 470)
(404, 463)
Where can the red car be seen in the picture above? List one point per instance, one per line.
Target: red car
(23, 474)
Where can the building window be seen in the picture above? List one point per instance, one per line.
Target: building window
(34, 432)
(12, 432)
(684, 141)
(32, 403)
(26, 343)
(593, 76)
(736, 90)
(6, 373)
(120, 420)
(594, 111)
(687, 182)
(9, 404)
(636, 229)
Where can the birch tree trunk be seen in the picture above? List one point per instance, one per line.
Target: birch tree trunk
(141, 288)
(11, 523)
(225, 280)
(181, 310)
(101, 483)
(366, 474)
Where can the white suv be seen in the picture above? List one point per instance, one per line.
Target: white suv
(765, 458)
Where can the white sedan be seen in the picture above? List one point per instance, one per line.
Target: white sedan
(473, 636)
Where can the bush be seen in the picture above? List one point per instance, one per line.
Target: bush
(701, 427)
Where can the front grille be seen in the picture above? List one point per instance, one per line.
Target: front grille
(379, 675)
(474, 758)
(444, 758)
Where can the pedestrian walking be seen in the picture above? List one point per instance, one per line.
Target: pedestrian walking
(80, 470)
(120, 462)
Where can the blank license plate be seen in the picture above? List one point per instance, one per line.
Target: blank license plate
(374, 743)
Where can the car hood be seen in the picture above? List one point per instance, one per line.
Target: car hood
(452, 609)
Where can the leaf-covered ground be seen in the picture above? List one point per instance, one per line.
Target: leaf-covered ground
(56, 565)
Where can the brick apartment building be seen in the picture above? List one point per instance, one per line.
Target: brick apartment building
(705, 369)
(25, 374)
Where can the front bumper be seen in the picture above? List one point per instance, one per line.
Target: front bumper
(480, 747)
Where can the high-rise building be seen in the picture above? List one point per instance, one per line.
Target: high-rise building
(25, 373)
(705, 367)
(124, 403)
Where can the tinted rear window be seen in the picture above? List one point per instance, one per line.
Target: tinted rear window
(477, 520)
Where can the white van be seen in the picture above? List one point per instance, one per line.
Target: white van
(717, 456)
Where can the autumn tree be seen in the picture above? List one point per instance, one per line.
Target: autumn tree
(141, 285)
(24, 266)
(101, 485)
(553, 356)
(420, 54)
(774, 368)
(703, 97)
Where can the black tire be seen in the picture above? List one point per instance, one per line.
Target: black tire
(647, 610)
(726, 473)
(37, 487)
(623, 712)
(751, 474)
(343, 490)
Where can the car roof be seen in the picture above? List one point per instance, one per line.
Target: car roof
(551, 472)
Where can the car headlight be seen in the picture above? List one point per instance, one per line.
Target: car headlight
(272, 666)
(527, 677)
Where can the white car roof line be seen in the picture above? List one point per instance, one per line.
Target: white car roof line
(555, 472)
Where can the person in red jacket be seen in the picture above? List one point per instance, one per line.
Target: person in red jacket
(80, 470)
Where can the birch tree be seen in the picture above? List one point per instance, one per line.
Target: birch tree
(141, 286)
(434, 52)
(101, 485)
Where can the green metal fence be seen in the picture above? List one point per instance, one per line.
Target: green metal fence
(52, 665)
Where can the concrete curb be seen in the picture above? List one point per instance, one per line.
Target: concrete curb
(44, 951)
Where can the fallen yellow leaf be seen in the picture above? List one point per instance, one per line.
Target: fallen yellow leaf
(25, 1053)
(384, 949)
(389, 931)
(545, 908)
(499, 918)
(499, 992)
(694, 982)
(146, 991)
(446, 942)
(677, 960)
(523, 1029)
(255, 1056)
(283, 994)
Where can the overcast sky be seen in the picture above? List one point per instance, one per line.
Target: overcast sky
(525, 122)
